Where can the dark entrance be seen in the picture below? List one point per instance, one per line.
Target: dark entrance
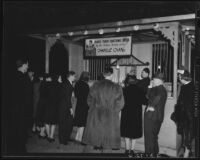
(58, 59)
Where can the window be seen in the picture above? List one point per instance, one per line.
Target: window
(97, 66)
(163, 60)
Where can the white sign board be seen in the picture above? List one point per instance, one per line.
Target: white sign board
(111, 47)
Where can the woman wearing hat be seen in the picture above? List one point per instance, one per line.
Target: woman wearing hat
(131, 119)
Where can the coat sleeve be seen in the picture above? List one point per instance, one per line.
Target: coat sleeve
(153, 100)
(119, 102)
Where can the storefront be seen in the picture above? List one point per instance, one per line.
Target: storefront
(163, 43)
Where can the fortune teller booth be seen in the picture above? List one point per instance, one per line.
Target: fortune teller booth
(163, 43)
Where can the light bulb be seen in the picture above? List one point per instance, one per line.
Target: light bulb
(70, 33)
(100, 31)
(86, 32)
(136, 27)
(118, 30)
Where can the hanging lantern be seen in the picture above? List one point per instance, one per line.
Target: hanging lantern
(86, 32)
(155, 26)
(100, 31)
(136, 28)
(118, 29)
(70, 33)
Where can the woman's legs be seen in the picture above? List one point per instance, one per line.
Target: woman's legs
(79, 134)
(34, 128)
(127, 144)
(81, 129)
(42, 131)
(52, 131)
(133, 141)
(47, 127)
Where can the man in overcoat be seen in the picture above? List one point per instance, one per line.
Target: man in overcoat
(105, 102)
(154, 114)
(20, 110)
(65, 109)
(184, 115)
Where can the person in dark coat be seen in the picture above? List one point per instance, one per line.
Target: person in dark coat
(144, 83)
(65, 109)
(20, 112)
(81, 93)
(42, 105)
(105, 102)
(51, 110)
(184, 112)
(154, 114)
(131, 117)
(36, 96)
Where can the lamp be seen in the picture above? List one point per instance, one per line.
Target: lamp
(136, 27)
(86, 32)
(70, 33)
(118, 29)
(100, 31)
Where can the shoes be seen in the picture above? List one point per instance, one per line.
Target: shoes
(132, 153)
(42, 137)
(51, 139)
(64, 143)
(127, 152)
(98, 148)
(35, 132)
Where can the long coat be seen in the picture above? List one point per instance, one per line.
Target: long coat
(65, 118)
(36, 97)
(20, 112)
(105, 100)
(157, 97)
(185, 110)
(143, 84)
(81, 92)
(131, 118)
(51, 110)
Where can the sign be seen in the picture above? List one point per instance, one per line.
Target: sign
(108, 47)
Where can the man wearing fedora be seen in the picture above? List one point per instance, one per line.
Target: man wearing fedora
(154, 113)
(184, 113)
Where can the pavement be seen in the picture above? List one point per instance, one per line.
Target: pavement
(41, 147)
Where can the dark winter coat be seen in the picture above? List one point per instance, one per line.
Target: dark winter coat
(53, 98)
(105, 100)
(131, 118)
(157, 97)
(20, 112)
(143, 84)
(81, 92)
(65, 117)
(183, 115)
(36, 96)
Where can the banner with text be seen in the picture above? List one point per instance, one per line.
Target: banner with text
(112, 47)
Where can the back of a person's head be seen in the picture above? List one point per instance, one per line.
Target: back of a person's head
(109, 70)
(84, 76)
(146, 70)
(21, 61)
(186, 76)
(70, 73)
(107, 73)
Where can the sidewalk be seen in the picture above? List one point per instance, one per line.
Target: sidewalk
(41, 147)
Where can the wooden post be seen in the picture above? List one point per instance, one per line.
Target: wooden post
(47, 55)
(176, 33)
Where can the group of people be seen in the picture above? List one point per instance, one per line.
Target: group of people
(104, 112)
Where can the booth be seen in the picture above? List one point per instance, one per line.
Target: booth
(163, 43)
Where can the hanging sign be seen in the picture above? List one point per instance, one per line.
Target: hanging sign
(108, 47)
